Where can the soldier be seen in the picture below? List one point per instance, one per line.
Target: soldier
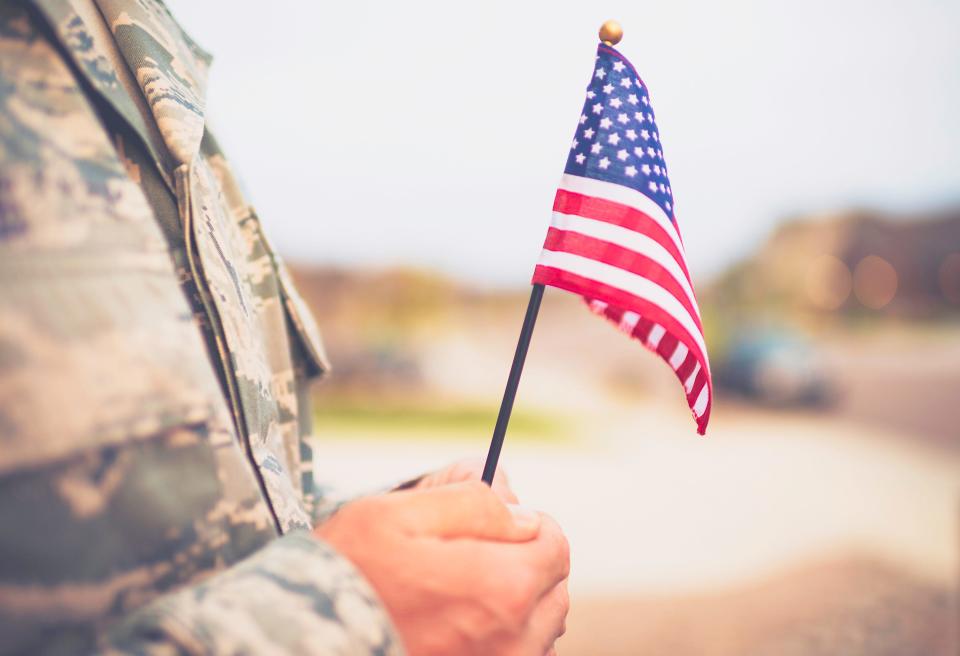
(156, 491)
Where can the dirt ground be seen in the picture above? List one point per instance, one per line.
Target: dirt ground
(851, 607)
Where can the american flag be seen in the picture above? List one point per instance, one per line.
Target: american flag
(614, 237)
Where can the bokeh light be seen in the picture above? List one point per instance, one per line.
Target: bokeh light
(874, 282)
(828, 282)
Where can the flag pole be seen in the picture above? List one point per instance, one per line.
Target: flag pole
(513, 381)
(610, 34)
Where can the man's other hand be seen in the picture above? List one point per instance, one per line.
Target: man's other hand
(459, 571)
(470, 469)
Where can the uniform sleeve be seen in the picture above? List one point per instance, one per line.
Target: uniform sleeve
(295, 596)
(130, 520)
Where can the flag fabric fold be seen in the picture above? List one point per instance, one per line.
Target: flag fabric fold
(614, 238)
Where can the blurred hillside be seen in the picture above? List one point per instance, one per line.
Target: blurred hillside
(825, 314)
(856, 263)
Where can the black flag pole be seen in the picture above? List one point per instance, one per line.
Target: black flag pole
(513, 380)
(610, 34)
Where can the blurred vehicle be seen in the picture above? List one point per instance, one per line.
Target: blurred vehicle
(776, 367)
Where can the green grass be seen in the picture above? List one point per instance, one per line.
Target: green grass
(439, 421)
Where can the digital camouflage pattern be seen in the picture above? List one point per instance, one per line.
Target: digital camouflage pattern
(155, 485)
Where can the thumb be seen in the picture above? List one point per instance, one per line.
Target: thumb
(465, 510)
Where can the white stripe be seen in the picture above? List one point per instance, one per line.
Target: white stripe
(628, 282)
(701, 403)
(692, 378)
(629, 321)
(656, 334)
(625, 196)
(598, 306)
(630, 239)
(679, 355)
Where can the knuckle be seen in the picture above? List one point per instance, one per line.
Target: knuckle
(520, 594)
(556, 543)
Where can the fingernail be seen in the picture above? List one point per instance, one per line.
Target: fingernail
(524, 517)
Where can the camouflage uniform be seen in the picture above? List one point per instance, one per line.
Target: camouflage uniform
(155, 486)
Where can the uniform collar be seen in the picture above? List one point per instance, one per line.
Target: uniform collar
(169, 68)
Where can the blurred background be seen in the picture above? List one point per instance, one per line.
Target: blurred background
(404, 158)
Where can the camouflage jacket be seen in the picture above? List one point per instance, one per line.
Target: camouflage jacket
(155, 487)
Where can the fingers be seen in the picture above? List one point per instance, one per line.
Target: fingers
(501, 487)
(548, 621)
(470, 469)
(470, 510)
(549, 555)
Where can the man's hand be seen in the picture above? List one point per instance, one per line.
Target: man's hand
(468, 470)
(459, 571)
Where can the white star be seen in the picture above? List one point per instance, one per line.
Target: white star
(663, 188)
(626, 83)
(607, 88)
(638, 151)
(646, 169)
(668, 205)
(580, 157)
(644, 135)
(631, 135)
(644, 100)
(574, 145)
(618, 66)
(659, 154)
(650, 151)
(622, 155)
(600, 73)
(650, 117)
(591, 95)
(656, 137)
(583, 119)
(604, 163)
(595, 148)
(615, 103)
(630, 170)
(656, 169)
(639, 117)
(597, 108)
(614, 139)
(605, 123)
(588, 133)
(669, 191)
(623, 118)
(653, 186)
(632, 99)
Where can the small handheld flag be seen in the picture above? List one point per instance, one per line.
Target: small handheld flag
(614, 238)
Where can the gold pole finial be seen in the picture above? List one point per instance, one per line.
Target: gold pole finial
(611, 32)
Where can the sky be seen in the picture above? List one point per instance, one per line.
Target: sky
(433, 134)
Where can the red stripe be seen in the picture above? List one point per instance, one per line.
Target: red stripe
(686, 367)
(666, 347)
(698, 384)
(642, 331)
(614, 314)
(568, 202)
(622, 258)
(617, 297)
(701, 380)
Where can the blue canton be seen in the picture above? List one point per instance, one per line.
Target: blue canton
(617, 139)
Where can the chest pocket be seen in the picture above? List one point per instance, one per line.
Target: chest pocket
(234, 266)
